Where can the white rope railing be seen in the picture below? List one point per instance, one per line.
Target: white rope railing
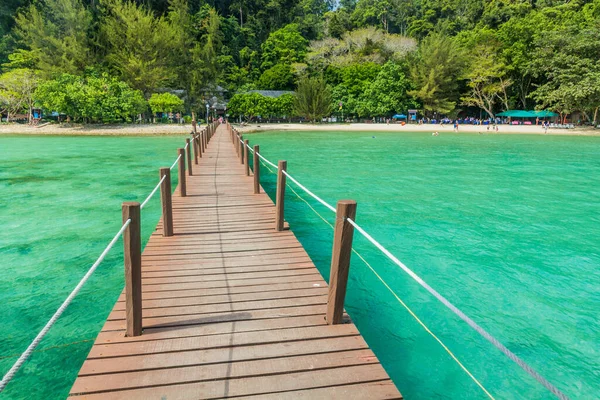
(267, 161)
(13, 370)
(495, 342)
(314, 196)
(175, 163)
(462, 315)
(152, 193)
(27, 353)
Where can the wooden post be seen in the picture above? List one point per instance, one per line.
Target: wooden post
(165, 198)
(256, 171)
(195, 144)
(237, 145)
(280, 197)
(182, 188)
(189, 155)
(201, 138)
(340, 260)
(199, 146)
(247, 161)
(132, 254)
(242, 151)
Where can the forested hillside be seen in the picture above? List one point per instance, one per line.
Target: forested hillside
(378, 57)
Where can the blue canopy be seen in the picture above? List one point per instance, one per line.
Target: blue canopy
(399, 116)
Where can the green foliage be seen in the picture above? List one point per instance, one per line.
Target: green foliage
(136, 43)
(387, 94)
(278, 77)
(313, 99)
(165, 102)
(54, 35)
(284, 46)
(252, 105)
(430, 54)
(17, 89)
(91, 98)
(435, 71)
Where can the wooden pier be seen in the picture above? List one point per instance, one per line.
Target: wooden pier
(230, 306)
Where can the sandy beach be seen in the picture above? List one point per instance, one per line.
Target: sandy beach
(175, 129)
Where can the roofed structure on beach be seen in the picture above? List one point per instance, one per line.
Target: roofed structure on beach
(271, 93)
(527, 114)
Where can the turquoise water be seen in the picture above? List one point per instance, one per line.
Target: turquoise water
(60, 204)
(504, 226)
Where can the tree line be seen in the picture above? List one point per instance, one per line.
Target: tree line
(372, 57)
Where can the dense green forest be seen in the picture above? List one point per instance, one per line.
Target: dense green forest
(101, 60)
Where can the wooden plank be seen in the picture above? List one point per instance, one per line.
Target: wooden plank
(231, 306)
(268, 384)
(236, 339)
(237, 370)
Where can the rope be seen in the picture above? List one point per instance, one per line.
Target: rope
(267, 161)
(152, 193)
(438, 296)
(462, 315)
(412, 313)
(175, 163)
(314, 196)
(13, 370)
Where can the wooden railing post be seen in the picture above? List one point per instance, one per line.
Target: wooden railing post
(165, 198)
(237, 145)
(188, 146)
(195, 144)
(202, 147)
(256, 171)
(199, 146)
(241, 143)
(340, 260)
(182, 187)
(132, 254)
(280, 196)
(247, 161)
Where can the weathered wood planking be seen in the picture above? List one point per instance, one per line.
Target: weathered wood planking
(231, 308)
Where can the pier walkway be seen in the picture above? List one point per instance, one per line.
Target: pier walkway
(231, 307)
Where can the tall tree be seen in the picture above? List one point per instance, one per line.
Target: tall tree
(435, 71)
(53, 37)
(313, 99)
(138, 45)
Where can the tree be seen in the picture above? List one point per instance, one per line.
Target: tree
(54, 36)
(387, 93)
(435, 71)
(165, 102)
(17, 89)
(313, 99)
(138, 45)
(369, 44)
(284, 46)
(486, 79)
(278, 77)
(567, 62)
(95, 98)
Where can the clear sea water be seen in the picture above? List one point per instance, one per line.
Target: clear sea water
(504, 226)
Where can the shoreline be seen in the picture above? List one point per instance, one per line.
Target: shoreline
(185, 129)
(426, 128)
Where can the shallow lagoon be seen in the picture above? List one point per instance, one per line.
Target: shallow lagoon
(504, 226)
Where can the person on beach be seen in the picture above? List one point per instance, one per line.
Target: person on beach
(455, 126)
(546, 124)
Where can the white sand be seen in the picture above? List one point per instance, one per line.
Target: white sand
(176, 129)
(426, 128)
